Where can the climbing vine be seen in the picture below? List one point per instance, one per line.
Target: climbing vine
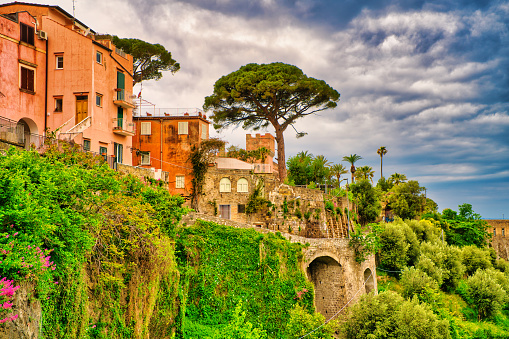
(201, 157)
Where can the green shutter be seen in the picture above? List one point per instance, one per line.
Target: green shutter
(120, 117)
(120, 80)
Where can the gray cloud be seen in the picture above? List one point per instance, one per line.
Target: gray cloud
(428, 80)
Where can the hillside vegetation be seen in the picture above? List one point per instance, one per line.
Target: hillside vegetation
(101, 255)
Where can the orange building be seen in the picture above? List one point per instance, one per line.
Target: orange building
(164, 141)
(82, 83)
(22, 78)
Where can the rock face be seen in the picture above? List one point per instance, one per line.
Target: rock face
(29, 312)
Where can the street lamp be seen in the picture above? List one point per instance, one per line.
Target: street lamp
(347, 207)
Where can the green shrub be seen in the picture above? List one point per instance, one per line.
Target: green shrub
(485, 294)
(389, 315)
(417, 282)
(475, 258)
(302, 322)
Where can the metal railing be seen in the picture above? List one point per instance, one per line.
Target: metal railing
(124, 124)
(165, 112)
(11, 131)
(120, 52)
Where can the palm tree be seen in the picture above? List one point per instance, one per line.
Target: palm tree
(319, 165)
(397, 178)
(351, 159)
(381, 152)
(365, 172)
(305, 157)
(338, 170)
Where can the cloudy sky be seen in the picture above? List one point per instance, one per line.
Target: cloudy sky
(427, 79)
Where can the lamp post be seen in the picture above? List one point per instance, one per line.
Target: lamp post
(347, 208)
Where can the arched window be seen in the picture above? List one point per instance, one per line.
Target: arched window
(225, 185)
(242, 186)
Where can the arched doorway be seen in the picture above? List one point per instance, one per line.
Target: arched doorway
(27, 132)
(326, 274)
(368, 278)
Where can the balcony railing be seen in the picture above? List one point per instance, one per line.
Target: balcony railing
(11, 131)
(124, 127)
(123, 98)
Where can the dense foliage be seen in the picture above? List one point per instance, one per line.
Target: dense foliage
(149, 60)
(222, 266)
(103, 240)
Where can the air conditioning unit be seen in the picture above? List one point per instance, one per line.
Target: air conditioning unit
(42, 35)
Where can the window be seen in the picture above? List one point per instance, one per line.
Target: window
(242, 185)
(104, 152)
(179, 181)
(99, 99)
(183, 127)
(503, 232)
(145, 158)
(225, 185)
(27, 34)
(204, 128)
(494, 231)
(58, 104)
(99, 57)
(59, 62)
(27, 79)
(119, 153)
(146, 128)
(241, 208)
(86, 144)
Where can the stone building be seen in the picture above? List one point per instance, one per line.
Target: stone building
(267, 140)
(500, 239)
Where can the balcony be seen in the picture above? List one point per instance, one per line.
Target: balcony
(124, 127)
(122, 98)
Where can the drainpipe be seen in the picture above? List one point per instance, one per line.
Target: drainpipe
(46, 93)
(161, 147)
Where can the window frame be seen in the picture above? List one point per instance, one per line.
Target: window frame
(144, 156)
(180, 181)
(87, 144)
(99, 55)
(99, 96)
(242, 185)
(224, 186)
(57, 108)
(241, 208)
(183, 128)
(204, 131)
(21, 78)
(57, 57)
(144, 126)
(27, 34)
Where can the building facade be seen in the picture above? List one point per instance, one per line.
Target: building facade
(164, 141)
(62, 76)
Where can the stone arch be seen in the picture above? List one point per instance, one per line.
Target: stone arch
(369, 281)
(326, 274)
(29, 133)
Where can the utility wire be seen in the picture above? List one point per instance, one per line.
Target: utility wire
(342, 308)
(381, 269)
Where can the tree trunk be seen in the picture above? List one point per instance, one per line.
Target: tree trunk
(381, 167)
(281, 160)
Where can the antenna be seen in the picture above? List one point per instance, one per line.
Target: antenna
(73, 11)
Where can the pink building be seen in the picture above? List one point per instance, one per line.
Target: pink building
(57, 73)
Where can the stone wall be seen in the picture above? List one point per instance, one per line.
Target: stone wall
(294, 210)
(500, 241)
(328, 263)
(143, 173)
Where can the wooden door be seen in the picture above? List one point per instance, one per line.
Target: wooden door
(81, 108)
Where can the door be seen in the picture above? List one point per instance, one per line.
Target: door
(81, 108)
(120, 85)
(120, 118)
(119, 149)
(224, 211)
